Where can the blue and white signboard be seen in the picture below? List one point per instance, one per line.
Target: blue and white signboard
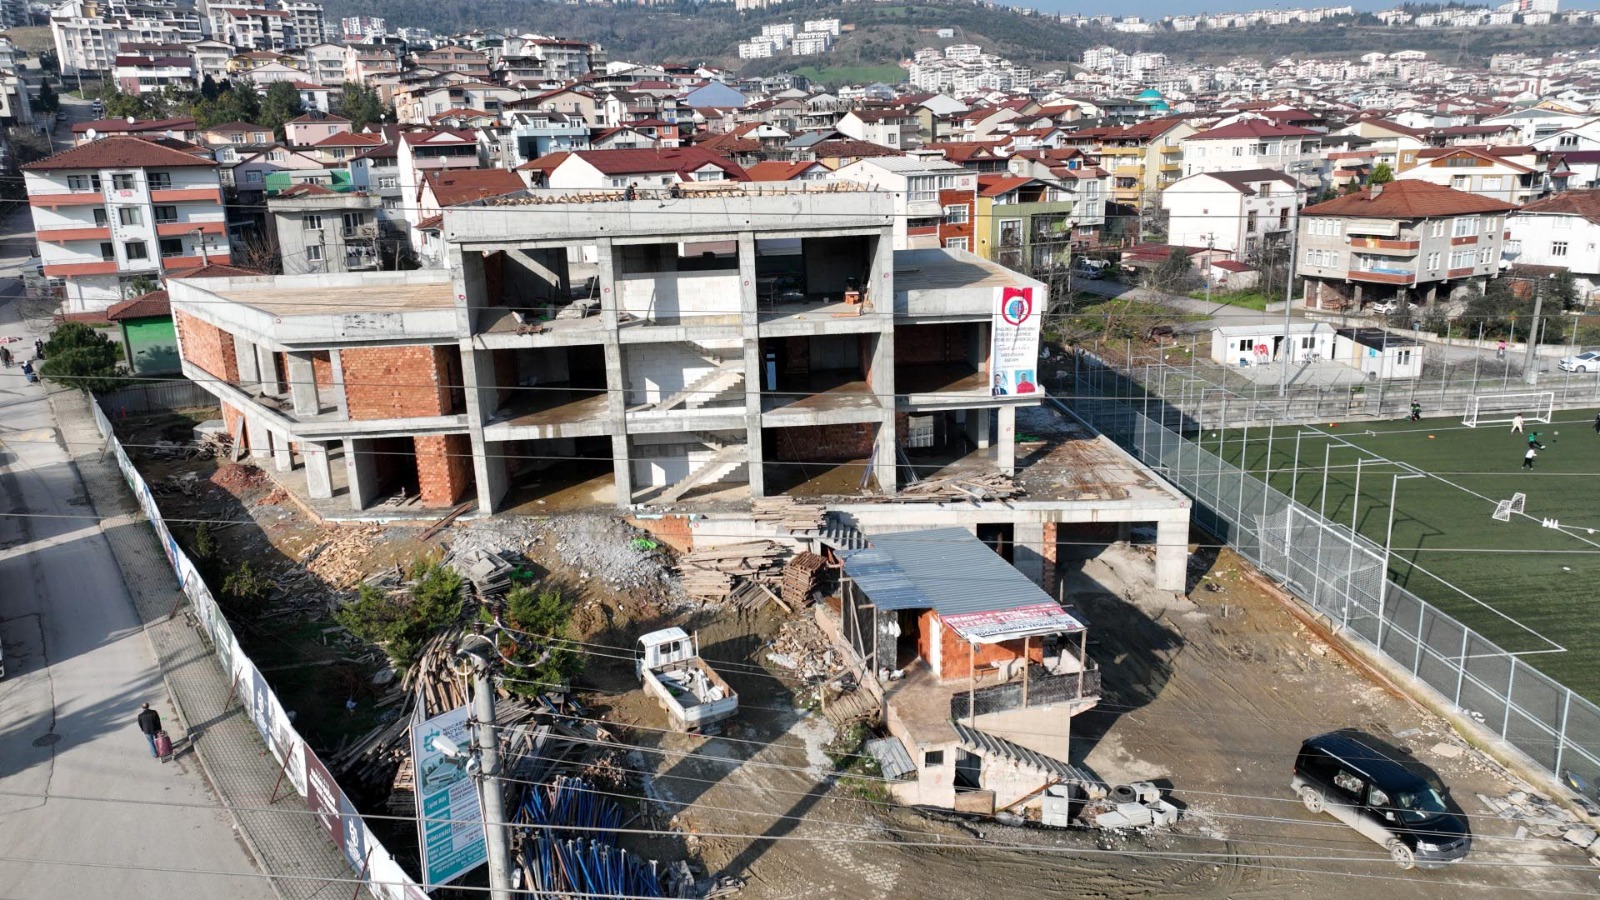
(450, 818)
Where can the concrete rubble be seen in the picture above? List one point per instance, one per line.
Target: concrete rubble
(1137, 805)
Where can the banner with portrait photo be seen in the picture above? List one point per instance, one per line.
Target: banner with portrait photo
(1014, 345)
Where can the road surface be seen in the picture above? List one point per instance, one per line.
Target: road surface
(81, 800)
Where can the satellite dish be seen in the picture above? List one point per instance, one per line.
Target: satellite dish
(91, 134)
(132, 119)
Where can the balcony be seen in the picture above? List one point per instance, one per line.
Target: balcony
(1042, 690)
(174, 263)
(179, 195)
(71, 198)
(69, 270)
(1384, 247)
(1459, 273)
(179, 229)
(86, 233)
(1386, 277)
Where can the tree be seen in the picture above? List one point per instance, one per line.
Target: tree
(121, 106)
(208, 88)
(49, 101)
(1564, 290)
(138, 286)
(361, 106)
(27, 145)
(281, 104)
(1381, 174)
(1174, 274)
(49, 62)
(81, 357)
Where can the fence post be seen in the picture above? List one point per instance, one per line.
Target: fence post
(1511, 682)
(1422, 612)
(1461, 663)
(1561, 738)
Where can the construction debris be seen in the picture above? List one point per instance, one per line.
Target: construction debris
(489, 573)
(795, 518)
(800, 578)
(802, 648)
(1137, 805)
(982, 487)
(1540, 815)
(342, 557)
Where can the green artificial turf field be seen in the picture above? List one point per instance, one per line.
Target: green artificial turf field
(1535, 587)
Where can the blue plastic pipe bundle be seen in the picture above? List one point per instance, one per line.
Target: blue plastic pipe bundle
(573, 849)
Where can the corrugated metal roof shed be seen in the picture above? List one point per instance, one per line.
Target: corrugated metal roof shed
(944, 569)
(892, 758)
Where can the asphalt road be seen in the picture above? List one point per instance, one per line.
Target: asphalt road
(77, 669)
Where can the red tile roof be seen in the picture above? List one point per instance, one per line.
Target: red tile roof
(123, 126)
(1576, 203)
(1407, 199)
(350, 139)
(995, 185)
(776, 170)
(546, 163)
(1252, 128)
(217, 270)
(301, 190)
(119, 153)
(648, 160)
(453, 186)
(146, 306)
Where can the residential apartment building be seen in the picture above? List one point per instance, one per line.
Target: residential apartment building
(153, 74)
(734, 348)
(1238, 213)
(1559, 232)
(110, 211)
(1407, 240)
(1024, 224)
(1249, 145)
(895, 128)
(321, 230)
(421, 152)
(1499, 173)
(1142, 158)
(918, 188)
(88, 34)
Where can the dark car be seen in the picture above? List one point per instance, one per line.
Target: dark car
(1351, 779)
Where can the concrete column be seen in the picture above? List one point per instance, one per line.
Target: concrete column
(319, 476)
(282, 456)
(360, 474)
(257, 438)
(303, 384)
(978, 427)
(605, 262)
(1172, 550)
(622, 469)
(752, 417)
(244, 354)
(1028, 555)
(883, 456)
(489, 470)
(1006, 440)
(266, 362)
(336, 363)
(749, 312)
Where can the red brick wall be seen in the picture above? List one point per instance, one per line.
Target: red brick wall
(444, 468)
(953, 653)
(673, 531)
(964, 230)
(1048, 551)
(930, 344)
(396, 382)
(823, 443)
(230, 420)
(322, 367)
(207, 346)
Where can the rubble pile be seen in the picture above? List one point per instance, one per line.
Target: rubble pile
(801, 647)
(1137, 805)
(606, 548)
(984, 486)
(236, 478)
(1532, 814)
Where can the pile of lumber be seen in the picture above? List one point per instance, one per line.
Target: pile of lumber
(341, 557)
(800, 578)
(795, 518)
(977, 487)
(711, 573)
(434, 679)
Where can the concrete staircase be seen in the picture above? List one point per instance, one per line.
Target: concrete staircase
(715, 385)
(724, 462)
(1048, 768)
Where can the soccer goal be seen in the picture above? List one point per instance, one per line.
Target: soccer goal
(1504, 509)
(1493, 409)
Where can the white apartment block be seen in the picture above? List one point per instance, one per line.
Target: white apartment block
(88, 34)
(118, 208)
(811, 43)
(757, 48)
(1238, 213)
(963, 52)
(830, 26)
(1561, 231)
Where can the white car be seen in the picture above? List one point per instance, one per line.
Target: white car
(1587, 361)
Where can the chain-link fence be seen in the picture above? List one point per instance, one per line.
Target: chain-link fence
(1342, 575)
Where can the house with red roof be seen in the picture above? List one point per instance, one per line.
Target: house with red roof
(1408, 240)
(112, 212)
(1512, 174)
(1023, 223)
(1250, 144)
(642, 168)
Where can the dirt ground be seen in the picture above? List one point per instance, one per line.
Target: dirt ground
(1209, 698)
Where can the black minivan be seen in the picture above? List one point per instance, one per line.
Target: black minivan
(1353, 781)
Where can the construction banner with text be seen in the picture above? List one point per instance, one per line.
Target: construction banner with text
(1014, 350)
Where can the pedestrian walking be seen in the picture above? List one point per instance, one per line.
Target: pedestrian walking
(5, 356)
(1500, 350)
(1527, 458)
(150, 722)
(1516, 423)
(38, 348)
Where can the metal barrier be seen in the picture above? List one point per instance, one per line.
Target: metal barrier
(156, 397)
(1343, 576)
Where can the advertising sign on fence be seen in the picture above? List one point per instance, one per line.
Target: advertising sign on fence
(1014, 349)
(451, 820)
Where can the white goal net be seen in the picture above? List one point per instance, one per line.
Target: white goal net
(1505, 508)
(1495, 409)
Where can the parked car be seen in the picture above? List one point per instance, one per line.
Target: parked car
(1346, 776)
(1091, 269)
(1587, 361)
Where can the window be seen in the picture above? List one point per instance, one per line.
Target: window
(1462, 259)
(108, 251)
(1436, 228)
(277, 155)
(955, 215)
(1011, 232)
(1558, 248)
(122, 181)
(83, 182)
(130, 215)
(100, 219)
(1461, 182)
(1463, 227)
(391, 203)
(166, 215)
(1567, 140)
(921, 189)
(1491, 224)
(932, 758)
(947, 182)
(955, 243)
(314, 253)
(1348, 783)
(1403, 358)
(388, 181)
(253, 176)
(353, 221)
(171, 247)
(136, 250)
(1433, 260)
(1483, 256)
(159, 181)
(1490, 182)
(1246, 345)
(311, 223)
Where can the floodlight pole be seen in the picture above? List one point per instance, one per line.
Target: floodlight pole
(1288, 287)
(1530, 363)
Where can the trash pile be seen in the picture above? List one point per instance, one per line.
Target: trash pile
(341, 558)
(1137, 805)
(802, 648)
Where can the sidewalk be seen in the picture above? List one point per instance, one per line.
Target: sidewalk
(236, 762)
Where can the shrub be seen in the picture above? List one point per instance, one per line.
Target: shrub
(244, 587)
(402, 622)
(544, 659)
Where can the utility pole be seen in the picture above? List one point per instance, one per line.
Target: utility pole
(1288, 286)
(480, 652)
(1530, 363)
(1211, 240)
